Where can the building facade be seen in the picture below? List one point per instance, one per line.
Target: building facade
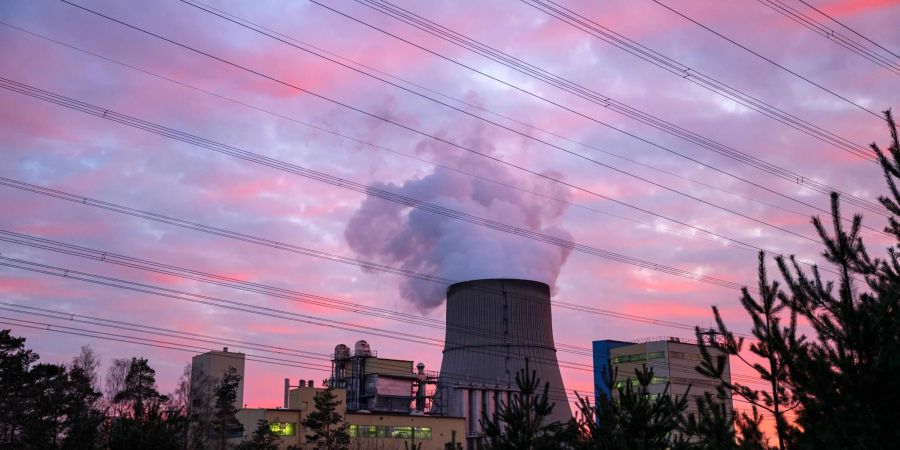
(214, 364)
(673, 362)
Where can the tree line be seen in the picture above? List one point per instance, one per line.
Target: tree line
(55, 406)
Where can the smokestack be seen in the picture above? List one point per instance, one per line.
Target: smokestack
(287, 390)
(493, 325)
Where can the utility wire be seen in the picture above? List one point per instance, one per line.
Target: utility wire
(848, 28)
(469, 149)
(258, 288)
(140, 328)
(767, 59)
(818, 27)
(134, 340)
(649, 226)
(350, 185)
(169, 220)
(607, 102)
(676, 68)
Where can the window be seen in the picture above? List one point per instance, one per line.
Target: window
(637, 357)
(388, 432)
(283, 428)
(629, 358)
(635, 383)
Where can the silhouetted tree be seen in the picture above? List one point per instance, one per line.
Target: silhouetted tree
(226, 394)
(325, 423)
(631, 417)
(146, 420)
(523, 422)
(841, 379)
(772, 345)
(262, 439)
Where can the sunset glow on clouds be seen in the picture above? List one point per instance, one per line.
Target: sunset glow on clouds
(60, 148)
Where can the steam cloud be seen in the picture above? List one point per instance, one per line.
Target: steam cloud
(424, 242)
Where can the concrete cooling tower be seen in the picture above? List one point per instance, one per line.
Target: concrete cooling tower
(492, 327)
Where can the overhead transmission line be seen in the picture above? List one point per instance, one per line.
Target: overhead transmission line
(353, 186)
(161, 331)
(70, 317)
(472, 150)
(767, 59)
(169, 220)
(558, 392)
(609, 103)
(43, 326)
(670, 65)
(337, 59)
(650, 226)
(258, 288)
(838, 38)
(848, 28)
(242, 307)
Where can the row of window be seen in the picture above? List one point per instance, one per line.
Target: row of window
(636, 383)
(637, 357)
(688, 356)
(388, 432)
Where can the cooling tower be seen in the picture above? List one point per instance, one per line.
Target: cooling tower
(492, 327)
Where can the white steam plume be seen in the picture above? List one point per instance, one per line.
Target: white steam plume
(425, 242)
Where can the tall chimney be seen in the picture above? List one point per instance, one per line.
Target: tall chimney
(287, 392)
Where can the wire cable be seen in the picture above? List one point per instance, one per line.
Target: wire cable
(469, 149)
(350, 185)
(848, 28)
(720, 148)
(767, 59)
(243, 237)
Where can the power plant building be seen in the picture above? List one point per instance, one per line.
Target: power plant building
(673, 363)
(214, 364)
(379, 384)
(493, 327)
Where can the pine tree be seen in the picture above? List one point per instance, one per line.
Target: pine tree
(226, 394)
(146, 420)
(327, 427)
(522, 423)
(847, 375)
(631, 418)
(773, 340)
(262, 439)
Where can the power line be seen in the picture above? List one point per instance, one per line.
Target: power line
(848, 28)
(676, 68)
(169, 220)
(819, 28)
(296, 121)
(604, 101)
(135, 340)
(769, 60)
(350, 185)
(140, 328)
(224, 303)
(258, 288)
(472, 150)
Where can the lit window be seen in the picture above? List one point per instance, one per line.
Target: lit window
(423, 433)
(283, 428)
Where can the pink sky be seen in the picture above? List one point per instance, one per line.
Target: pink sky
(56, 147)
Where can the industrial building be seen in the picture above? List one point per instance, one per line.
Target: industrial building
(214, 364)
(673, 361)
(385, 403)
(379, 384)
(493, 327)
